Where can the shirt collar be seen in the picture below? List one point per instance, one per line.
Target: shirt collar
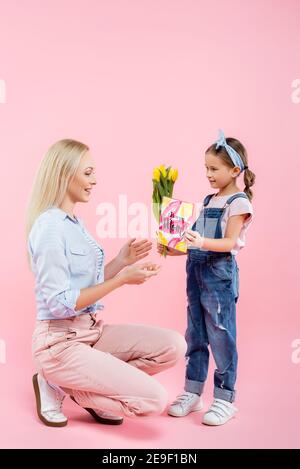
(62, 215)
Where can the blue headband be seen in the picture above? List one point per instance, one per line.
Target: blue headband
(234, 156)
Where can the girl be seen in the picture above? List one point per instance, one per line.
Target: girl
(104, 368)
(213, 282)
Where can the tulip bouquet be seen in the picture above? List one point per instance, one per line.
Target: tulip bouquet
(163, 183)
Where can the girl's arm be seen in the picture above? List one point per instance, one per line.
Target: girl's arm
(226, 244)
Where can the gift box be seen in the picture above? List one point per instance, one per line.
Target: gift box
(175, 218)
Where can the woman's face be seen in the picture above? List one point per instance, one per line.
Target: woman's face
(80, 188)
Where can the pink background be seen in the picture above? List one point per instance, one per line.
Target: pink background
(145, 83)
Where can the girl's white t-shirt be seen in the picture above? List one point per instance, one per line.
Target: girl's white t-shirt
(238, 206)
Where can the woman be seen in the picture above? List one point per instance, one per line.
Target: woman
(104, 368)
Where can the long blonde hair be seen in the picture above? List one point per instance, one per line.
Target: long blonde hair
(56, 170)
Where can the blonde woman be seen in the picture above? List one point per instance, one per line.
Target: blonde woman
(106, 369)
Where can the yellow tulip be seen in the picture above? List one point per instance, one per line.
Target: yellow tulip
(170, 174)
(162, 239)
(181, 246)
(163, 170)
(156, 174)
(174, 174)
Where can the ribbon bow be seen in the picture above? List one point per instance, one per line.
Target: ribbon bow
(234, 156)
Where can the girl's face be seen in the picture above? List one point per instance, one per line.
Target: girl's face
(84, 180)
(218, 173)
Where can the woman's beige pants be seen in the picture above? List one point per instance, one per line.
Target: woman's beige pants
(107, 367)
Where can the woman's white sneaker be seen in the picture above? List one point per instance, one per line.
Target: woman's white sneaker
(185, 403)
(101, 416)
(49, 399)
(219, 412)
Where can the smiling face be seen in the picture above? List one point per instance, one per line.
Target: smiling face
(79, 189)
(218, 173)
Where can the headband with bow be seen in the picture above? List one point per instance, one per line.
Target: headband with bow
(234, 156)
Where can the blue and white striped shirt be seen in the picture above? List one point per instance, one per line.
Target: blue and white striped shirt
(64, 259)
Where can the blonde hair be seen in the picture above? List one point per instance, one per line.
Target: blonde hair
(57, 169)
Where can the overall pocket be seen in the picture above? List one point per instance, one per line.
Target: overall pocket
(237, 283)
(222, 268)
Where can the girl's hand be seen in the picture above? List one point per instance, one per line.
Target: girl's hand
(139, 273)
(194, 239)
(133, 251)
(169, 251)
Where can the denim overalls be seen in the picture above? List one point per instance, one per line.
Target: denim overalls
(212, 292)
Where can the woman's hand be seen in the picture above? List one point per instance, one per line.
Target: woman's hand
(133, 251)
(169, 251)
(139, 273)
(194, 239)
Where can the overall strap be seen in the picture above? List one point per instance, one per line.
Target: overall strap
(207, 199)
(235, 196)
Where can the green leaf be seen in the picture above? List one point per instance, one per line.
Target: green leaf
(171, 189)
(161, 189)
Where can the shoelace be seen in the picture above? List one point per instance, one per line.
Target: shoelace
(59, 396)
(59, 399)
(58, 408)
(219, 408)
(183, 398)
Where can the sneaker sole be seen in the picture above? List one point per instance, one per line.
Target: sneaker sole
(217, 424)
(197, 409)
(97, 417)
(38, 406)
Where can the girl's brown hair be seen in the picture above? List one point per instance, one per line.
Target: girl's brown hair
(249, 176)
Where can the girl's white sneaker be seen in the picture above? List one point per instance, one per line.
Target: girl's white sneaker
(185, 403)
(219, 412)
